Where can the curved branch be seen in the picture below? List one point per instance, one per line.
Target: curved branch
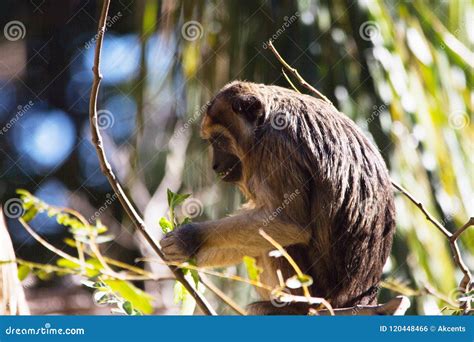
(467, 283)
(107, 169)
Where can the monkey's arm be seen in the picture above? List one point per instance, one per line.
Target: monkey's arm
(227, 240)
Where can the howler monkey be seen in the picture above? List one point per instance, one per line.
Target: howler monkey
(312, 181)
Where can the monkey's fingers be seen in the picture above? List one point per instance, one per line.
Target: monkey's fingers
(167, 241)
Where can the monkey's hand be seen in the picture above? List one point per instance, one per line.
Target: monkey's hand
(181, 244)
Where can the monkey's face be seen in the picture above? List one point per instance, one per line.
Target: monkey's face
(229, 126)
(226, 164)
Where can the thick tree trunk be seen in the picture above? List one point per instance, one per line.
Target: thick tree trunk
(12, 297)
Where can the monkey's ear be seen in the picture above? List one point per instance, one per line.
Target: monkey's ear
(249, 106)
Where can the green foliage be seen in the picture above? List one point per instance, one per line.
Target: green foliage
(137, 298)
(126, 297)
(23, 272)
(181, 295)
(253, 270)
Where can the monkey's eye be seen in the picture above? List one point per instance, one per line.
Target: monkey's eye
(218, 142)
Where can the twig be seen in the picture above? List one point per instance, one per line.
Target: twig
(287, 257)
(107, 169)
(396, 306)
(222, 296)
(296, 74)
(428, 216)
(467, 281)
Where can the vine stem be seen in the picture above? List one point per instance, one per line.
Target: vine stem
(111, 177)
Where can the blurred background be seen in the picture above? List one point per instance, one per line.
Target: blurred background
(402, 70)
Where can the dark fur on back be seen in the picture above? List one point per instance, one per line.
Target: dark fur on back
(345, 199)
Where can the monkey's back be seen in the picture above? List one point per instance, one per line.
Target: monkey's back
(344, 192)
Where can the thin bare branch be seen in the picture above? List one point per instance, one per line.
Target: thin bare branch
(114, 182)
(222, 296)
(467, 282)
(287, 257)
(297, 75)
(428, 216)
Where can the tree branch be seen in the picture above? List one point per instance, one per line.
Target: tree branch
(467, 282)
(297, 75)
(114, 182)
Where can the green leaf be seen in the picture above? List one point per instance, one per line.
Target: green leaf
(180, 198)
(139, 299)
(296, 282)
(97, 267)
(65, 263)
(252, 269)
(170, 197)
(23, 193)
(29, 213)
(305, 280)
(175, 199)
(127, 307)
(23, 271)
(193, 273)
(43, 275)
(101, 297)
(89, 283)
(181, 295)
(70, 242)
(165, 225)
(185, 221)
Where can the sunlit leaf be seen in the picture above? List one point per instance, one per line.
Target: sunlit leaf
(165, 225)
(23, 271)
(253, 270)
(140, 300)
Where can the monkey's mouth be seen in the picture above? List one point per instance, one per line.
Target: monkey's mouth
(231, 174)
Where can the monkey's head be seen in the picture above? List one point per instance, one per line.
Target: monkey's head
(229, 126)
